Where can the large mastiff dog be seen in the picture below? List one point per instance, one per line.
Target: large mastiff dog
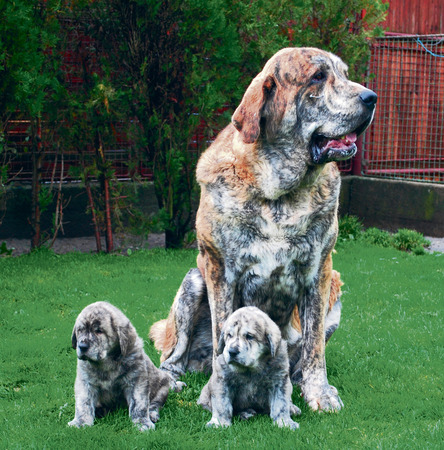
(267, 220)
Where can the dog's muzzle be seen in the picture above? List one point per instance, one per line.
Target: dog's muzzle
(325, 149)
(82, 349)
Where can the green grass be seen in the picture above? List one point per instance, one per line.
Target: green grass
(386, 359)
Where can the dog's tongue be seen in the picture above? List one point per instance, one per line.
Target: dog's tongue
(342, 143)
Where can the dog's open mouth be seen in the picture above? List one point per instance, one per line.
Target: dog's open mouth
(326, 149)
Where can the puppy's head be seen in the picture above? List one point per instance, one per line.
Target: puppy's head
(102, 331)
(248, 338)
(303, 98)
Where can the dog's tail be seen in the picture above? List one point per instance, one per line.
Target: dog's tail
(163, 334)
(333, 314)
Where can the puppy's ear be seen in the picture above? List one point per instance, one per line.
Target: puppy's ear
(273, 341)
(74, 338)
(127, 338)
(221, 343)
(248, 114)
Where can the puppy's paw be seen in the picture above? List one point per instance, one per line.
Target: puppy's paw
(247, 414)
(154, 416)
(325, 398)
(79, 424)
(216, 423)
(286, 423)
(294, 410)
(145, 424)
(178, 386)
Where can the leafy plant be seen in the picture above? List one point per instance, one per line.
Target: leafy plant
(410, 240)
(350, 227)
(378, 237)
(4, 250)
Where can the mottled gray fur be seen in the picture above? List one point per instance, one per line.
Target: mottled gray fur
(113, 369)
(251, 372)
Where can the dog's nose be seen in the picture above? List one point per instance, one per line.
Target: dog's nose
(83, 346)
(369, 98)
(234, 351)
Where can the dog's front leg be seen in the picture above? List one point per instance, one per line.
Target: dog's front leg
(316, 391)
(220, 292)
(86, 399)
(138, 400)
(281, 406)
(221, 403)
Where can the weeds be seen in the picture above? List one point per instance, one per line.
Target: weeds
(351, 228)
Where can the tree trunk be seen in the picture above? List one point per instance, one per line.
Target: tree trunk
(93, 215)
(108, 221)
(36, 174)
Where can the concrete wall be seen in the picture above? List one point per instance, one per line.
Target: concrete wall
(391, 205)
(385, 204)
(15, 209)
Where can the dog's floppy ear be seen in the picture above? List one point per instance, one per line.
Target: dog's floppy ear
(248, 114)
(221, 343)
(127, 338)
(273, 340)
(74, 337)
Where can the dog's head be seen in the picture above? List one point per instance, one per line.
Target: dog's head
(248, 336)
(304, 100)
(102, 331)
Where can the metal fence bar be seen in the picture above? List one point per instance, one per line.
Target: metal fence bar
(406, 138)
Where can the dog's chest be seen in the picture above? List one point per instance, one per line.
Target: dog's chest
(274, 251)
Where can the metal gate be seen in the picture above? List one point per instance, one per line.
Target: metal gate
(406, 139)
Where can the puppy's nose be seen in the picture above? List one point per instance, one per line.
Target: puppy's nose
(83, 346)
(233, 352)
(369, 98)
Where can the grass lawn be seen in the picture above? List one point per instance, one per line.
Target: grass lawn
(386, 359)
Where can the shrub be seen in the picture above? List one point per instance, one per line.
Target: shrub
(378, 237)
(350, 227)
(410, 240)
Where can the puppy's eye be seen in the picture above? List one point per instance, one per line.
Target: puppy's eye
(249, 337)
(98, 331)
(319, 77)
(228, 335)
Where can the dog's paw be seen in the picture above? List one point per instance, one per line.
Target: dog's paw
(325, 398)
(286, 423)
(154, 416)
(247, 414)
(172, 370)
(216, 423)
(178, 386)
(294, 410)
(79, 424)
(145, 424)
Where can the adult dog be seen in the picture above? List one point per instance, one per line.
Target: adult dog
(251, 374)
(113, 369)
(267, 219)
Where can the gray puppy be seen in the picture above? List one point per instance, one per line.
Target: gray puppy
(251, 373)
(113, 369)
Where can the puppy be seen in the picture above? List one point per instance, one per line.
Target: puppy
(113, 370)
(251, 372)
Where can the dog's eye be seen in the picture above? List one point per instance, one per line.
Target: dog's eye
(98, 331)
(249, 337)
(319, 77)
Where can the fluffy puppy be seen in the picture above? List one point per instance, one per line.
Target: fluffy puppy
(251, 372)
(113, 369)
